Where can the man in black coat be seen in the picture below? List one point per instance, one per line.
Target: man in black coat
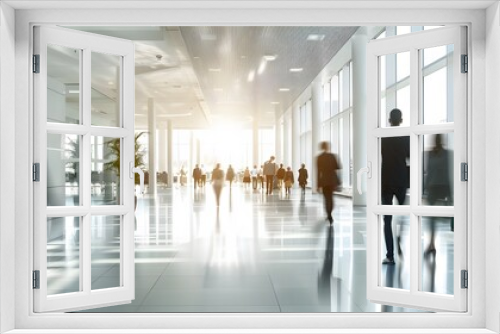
(327, 177)
(395, 178)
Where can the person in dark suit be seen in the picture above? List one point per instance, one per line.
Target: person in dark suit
(303, 178)
(395, 178)
(327, 177)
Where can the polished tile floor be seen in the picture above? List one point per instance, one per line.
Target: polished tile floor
(255, 253)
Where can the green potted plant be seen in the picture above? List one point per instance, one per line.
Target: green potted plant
(115, 152)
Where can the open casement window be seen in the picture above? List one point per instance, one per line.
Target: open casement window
(422, 74)
(83, 153)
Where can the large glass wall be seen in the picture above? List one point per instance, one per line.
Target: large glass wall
(337, 120)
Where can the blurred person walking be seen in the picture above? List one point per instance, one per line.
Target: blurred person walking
(217, 182)
(437, 184)
(230, 176)
(280, 175)
(269, 172)
(246, 177)
(303, 176)
(288, 179)
(327, 166)
(196, 176)
(395, 178)
(254, 173)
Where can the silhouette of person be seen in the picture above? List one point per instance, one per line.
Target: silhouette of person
(280, 176)
(196, 175)
(217, 182)
(288, 180)
(230, 175)
(254, 174)
(269, 172)
(303, 178)
(437, 183)
(246, 177)
(328, 181)
(395, 178)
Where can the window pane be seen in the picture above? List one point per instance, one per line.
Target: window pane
(396, 230)
(63, 170)
(105, 250)
(63, 84)
(437, 84)
(105, 104)
(438, 169)
(395, 170)
(105, 169)
(394, 87)
(335, 94)
(63, 255)
(437, 248)
(326, 100)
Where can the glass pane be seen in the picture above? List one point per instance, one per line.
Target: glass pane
(395, 170)
(335, 94)
(105, 177)
(105, 104)
(63, 170)
(438, 169)
(105, 248)
(63, 84)
(437, 90)
(394, 238)
(63, 255)
(437, 248)
(394, 88)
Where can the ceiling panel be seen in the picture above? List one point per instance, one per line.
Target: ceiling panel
(242, 69)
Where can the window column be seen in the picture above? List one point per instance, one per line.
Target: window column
(359, 41)
(255, 141)
(295, 129)
(170, 163)
(152, 146)
(317, 110)
(277, 133)
(162, 147)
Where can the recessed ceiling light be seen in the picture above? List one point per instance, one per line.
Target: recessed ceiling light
(315, 37)
(275, 103)
(284, 89)
(262, 66)
(111, 83)
(270, 57)
(243, 57)
(214, 69)
(251, 76)
(298, 69)
(196, 57)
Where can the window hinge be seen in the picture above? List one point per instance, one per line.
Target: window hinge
(465, 279)
(464, 167)
(36, 63)
(36, 279)
(465, 64)
(36, 172)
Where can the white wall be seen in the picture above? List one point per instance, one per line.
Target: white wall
(492, 153)
(7, 157)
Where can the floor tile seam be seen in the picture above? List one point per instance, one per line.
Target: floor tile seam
(274, 292)
(156, 281)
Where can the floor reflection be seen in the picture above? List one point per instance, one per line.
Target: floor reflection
(254, 253)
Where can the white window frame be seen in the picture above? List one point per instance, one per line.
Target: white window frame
(473, 320)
